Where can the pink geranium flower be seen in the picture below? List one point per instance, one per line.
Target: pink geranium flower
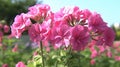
(101, 49)
(94, 52)
(35, 53)
(21, 23)
(20, 64)
(85, 14)
(108, 39)
(38, 32)
(35, 32)
(5, 65)
(105, 39)
(15, 48)
(69, 26)
(6, 28)
(69, 9)
(38, 12)
(1, 26)
(69, 14)
(16, 32)
(109, 54)
(92, 62)
(117, 58)
(80, 37)
(60, 36)
(96, 23)
(116, 44)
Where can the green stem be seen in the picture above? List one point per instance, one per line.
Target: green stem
(2, 51)
(56, 64)
(69, 54)
(41, 48)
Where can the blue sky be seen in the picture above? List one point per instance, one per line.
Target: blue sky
(109, 9)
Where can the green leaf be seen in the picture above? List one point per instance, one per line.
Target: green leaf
(31, 64)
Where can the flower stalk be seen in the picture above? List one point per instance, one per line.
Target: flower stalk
(41, 49)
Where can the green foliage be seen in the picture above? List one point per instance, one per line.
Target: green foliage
(10, 8)
(65, 58)
(7, 56)
(117, 31)
(53, 58)
(118, 35)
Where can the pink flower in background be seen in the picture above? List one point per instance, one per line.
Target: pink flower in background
(80, 37)
(1, 26)
(1, 36)
(109, 54)
(118, 49)
(45, 43)
(117, 58)
(116, 44)
(92, 43)
(20, 64)
(94, 52)
(6, 28)
(1, 44)
(5, 65)
(35, 53)
(96, 23)
(92, 62)
(15, 48)
(101, 49)
(48, 49)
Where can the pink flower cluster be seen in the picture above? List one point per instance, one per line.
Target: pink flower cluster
(70, 26)
(111, 52)
(3, 29)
